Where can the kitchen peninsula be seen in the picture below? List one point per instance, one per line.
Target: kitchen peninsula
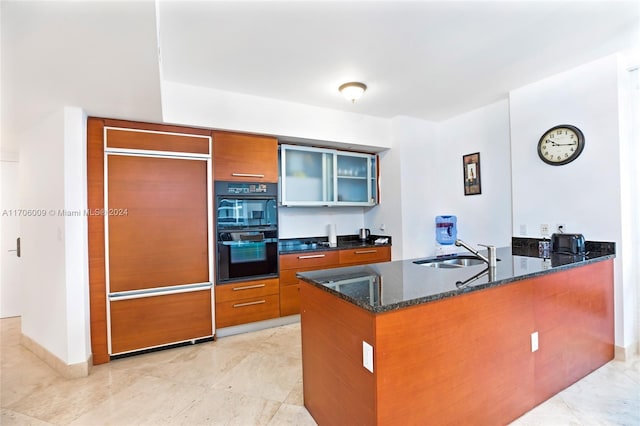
(408, 343)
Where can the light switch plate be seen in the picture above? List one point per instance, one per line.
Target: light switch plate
(367, 356)
(534, 341)
(544, 229)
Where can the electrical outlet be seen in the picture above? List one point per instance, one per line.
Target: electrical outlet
(523, 230)
(544, 229)
(383, 227)
(561, 228)
(534, 341)
(367, 356)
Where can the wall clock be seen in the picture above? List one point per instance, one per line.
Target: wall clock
(561, 144)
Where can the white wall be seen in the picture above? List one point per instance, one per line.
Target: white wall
(218, 109)
(11, 298)
(76, 234)
(54, 253)
(388, 214)
(629, 101)
(43, 252)
(483, 218)
(297, 222)
(585, 194)
(421, 178)
(416, 142)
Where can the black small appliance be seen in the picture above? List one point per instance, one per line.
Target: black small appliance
(568, 244)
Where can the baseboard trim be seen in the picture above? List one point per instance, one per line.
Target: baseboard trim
(256, 326)
(73, 371)
(626, 353)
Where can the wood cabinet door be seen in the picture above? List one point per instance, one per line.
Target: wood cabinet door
(244, 157)
(289, 300)
(158, 232)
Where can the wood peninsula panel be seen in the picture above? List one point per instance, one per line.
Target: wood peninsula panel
(575, 320)
(157, 141)
(245, 157)
(159, 320)
(338, 390)
(95, 224)
(462, 360)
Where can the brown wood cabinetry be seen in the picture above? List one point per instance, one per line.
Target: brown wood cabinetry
(574, 320)
(149, 269)
(466, 359)
(245, 157)
(247, 301)
(291, 264)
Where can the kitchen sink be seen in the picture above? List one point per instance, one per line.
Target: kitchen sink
(451, 262)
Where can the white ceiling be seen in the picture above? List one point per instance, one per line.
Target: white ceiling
(425, 59)
(101, 56)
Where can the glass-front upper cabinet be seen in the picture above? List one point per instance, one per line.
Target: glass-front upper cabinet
(307, 176)
(373, 189)
(352, 179)
(318, 176)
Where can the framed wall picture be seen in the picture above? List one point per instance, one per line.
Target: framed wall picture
(471, 170)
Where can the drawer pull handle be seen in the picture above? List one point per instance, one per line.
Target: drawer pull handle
(311, 256)
(365, 251)
(247, 287)
(257, 302)
(247, 175)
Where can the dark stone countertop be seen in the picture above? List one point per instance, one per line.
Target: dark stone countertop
(388, 286)
(301, 245)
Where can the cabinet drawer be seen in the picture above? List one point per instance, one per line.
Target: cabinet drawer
(234, 312)
(365, 255)
(290, 300)
(315, 260)
(246, 290)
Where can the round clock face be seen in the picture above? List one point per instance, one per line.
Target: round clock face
(561, 145)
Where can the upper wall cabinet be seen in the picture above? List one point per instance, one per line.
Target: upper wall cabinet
(325, 177)
(244, 157)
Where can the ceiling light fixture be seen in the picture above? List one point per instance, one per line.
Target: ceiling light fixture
(352, 90)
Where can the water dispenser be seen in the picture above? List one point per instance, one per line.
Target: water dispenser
(446, 229)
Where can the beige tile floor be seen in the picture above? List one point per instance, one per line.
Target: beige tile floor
(249, 379)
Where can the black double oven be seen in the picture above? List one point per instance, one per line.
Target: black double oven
(246, 230)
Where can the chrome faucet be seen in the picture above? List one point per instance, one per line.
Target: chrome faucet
(492, 261)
